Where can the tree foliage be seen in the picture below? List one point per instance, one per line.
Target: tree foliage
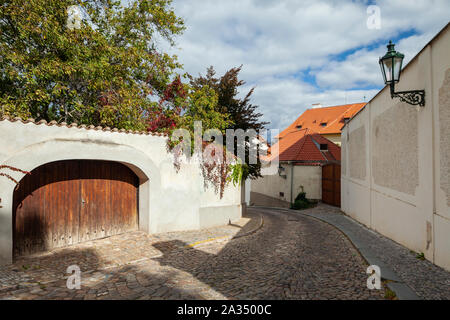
(243, 114)
(109, 72)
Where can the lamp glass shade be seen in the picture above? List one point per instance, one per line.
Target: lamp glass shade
(387, 69)
(397, 68)
(391, 65)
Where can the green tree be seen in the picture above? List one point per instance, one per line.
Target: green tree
(240, 111)
(203, 107)
(108, 72)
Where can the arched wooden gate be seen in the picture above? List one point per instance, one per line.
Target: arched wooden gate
(66, 202)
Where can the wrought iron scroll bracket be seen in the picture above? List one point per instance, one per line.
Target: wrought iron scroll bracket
(413, 97)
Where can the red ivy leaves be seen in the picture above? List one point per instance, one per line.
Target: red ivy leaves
(174, 89)
(12, 169)
(162, 119)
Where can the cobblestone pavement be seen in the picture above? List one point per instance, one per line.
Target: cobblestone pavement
(426, 279)
(290, 257)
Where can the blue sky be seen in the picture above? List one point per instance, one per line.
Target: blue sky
(300, 52)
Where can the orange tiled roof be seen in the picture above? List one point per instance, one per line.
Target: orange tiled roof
(304, 146)
(333, 117)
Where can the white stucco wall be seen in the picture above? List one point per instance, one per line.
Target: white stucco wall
(396, 178)
(308, 178)
(248, 184)
(168, 200)
(335, 138)
(272, 185)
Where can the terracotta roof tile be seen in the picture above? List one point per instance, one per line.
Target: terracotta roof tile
(333, 117)
(304, 145)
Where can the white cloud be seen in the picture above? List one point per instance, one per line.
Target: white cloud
(283, 100)
(278, 41)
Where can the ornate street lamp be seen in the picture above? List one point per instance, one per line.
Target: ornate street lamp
(391, 67)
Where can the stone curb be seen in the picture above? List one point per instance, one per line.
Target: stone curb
(396, 284)
(260, 225)
(224, 238)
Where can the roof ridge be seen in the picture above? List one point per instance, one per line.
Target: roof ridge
(83, 126)
(318, 143)
(304, 138)
(339, 105)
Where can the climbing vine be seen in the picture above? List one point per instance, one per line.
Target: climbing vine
(237, 173)
(222, 170)
(12, 169)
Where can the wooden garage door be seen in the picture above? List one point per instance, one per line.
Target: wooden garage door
(331, 184)
(66, 202)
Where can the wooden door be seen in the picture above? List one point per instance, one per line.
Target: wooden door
(67, 202)
(108, 200)
(331, 184)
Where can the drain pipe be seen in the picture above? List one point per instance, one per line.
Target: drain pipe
(292, 183)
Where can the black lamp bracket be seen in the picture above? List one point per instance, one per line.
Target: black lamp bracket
(413, 97)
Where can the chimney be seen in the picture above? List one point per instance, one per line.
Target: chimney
(316, 105)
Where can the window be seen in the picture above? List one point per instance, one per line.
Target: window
(281, 194)
(323, 147)
(323, 124)
(299, 126)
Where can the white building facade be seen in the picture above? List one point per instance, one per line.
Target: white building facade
(396, 158)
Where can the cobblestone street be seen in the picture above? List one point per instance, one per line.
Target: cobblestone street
(267, 255)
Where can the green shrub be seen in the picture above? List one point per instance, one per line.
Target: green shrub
(301, 196)
(301, 202)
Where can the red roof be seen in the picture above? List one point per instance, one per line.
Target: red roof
(328, 120)
(304, 146)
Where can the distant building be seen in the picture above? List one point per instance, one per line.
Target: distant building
(301, 154)
(326, 121)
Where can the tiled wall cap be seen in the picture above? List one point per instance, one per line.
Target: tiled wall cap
(83, 126)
